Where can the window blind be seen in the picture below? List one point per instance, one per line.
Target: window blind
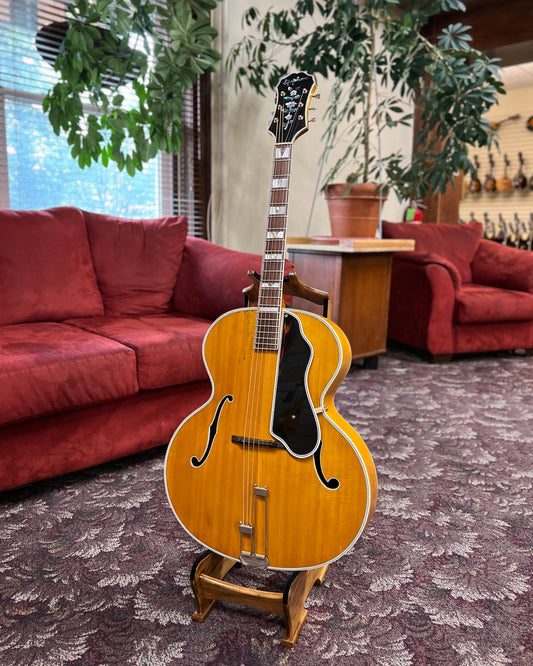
(36, 169)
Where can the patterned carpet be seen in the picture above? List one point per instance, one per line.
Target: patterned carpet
(95, 570)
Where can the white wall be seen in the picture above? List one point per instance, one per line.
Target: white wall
(242, 152)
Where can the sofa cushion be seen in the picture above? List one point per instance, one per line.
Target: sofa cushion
(168, 347)
(46, 368)
(211, 278)
(456, 243)
(503, 266)
(476, 304)
(136, 261)
(46, 269)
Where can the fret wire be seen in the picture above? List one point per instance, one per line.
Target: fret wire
(270, 298)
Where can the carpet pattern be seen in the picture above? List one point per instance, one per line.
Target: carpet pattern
(94, 568)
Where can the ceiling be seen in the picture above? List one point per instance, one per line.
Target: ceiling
(503, 30)
(518, 76)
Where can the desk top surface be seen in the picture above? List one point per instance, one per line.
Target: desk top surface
(349, 245)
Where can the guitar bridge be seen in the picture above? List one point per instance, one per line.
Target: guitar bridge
(248, 441)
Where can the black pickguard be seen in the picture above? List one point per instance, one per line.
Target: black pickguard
(294, 420)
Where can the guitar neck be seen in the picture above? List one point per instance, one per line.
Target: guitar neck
(270, 300)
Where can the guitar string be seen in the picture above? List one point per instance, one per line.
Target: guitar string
(255, 404)
(281, 164)
(278, 197)
(263, 332)
(255, 398)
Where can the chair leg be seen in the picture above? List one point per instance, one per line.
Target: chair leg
(370, 363)
(439, 358)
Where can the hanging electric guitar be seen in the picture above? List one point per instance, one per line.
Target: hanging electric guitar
(504, 183)
(267, 472)
(475, 183)
(490, 182)
(519, 180)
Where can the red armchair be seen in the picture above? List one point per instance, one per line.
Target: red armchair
(457, 293)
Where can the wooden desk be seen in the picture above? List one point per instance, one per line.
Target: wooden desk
(356, 274)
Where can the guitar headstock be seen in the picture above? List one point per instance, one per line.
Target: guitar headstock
(293, 96)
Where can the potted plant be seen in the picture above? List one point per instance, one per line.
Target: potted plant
(123, 67)
(386, 70)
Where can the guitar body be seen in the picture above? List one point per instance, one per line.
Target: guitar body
(267, 472)
(475, 183)
(490, 183)
(504, 184)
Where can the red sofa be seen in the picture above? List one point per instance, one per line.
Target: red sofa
(101, 329)
(458, 293)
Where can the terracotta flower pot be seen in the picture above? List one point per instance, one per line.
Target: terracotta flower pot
(357, 213)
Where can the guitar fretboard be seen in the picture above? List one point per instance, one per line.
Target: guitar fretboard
(270, 300)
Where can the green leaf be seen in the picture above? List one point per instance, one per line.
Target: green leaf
(90, 55)
(130, 166)
(454, 83)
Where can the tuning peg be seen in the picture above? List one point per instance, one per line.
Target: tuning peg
(316, 96)
(312, 120)
(312, 108)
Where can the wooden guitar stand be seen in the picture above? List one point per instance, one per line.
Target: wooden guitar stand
(209, 586)
(208, 572)
(292, 286)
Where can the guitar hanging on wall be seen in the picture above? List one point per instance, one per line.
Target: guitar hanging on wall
(267, 472)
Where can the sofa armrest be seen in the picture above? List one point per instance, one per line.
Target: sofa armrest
(211, 278)
(422, 301)
(502, 266)
(428, 258)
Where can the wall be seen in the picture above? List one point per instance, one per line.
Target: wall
(242, 152)
(514, 137)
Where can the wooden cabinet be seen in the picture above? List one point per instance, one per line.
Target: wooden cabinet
(356, 276)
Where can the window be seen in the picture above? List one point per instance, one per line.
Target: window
(36, 169)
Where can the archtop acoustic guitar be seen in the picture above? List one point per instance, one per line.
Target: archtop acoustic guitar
(267, 472)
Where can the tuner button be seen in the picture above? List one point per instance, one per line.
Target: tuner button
(312, 120)
(317, 96)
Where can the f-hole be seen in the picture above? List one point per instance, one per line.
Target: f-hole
(330, 484)
(195, 462)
